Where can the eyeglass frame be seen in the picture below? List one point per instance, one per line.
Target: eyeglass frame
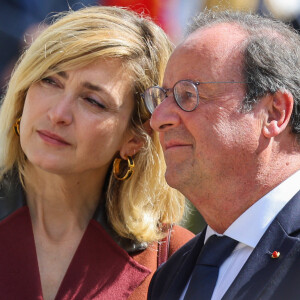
(195, 83)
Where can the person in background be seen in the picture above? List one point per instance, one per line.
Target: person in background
(85, 211)
(228, 116)
(20, 22)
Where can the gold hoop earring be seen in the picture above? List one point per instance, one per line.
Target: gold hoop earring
(17, 127)
(116, 168)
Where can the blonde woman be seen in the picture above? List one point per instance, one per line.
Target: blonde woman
(85, 211)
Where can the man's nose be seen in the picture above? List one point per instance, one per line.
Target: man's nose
(165, 115)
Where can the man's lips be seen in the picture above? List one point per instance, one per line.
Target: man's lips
(175, 144)
(52, 138)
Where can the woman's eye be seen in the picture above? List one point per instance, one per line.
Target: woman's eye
(94, 102)
(49, 80)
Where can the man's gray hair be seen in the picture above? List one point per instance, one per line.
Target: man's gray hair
(271, 56)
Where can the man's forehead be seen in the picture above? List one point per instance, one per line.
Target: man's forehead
(216, 38)
(216, 49)
(218, 31)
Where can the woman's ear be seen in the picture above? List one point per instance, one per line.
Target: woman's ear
(135, 143)
(132, 146)
(279, 111)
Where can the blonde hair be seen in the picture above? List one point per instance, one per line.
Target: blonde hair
(140, 207)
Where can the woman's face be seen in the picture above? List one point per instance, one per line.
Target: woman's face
(76, 121)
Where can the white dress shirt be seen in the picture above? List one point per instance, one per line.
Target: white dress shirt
(248, 230)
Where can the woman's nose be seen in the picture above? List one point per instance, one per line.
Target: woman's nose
(61, 112)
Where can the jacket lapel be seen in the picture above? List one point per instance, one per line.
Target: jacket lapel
(100, 267)
(180, 277)
(260, 270)
(19, 273)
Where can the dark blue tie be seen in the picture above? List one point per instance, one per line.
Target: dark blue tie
(206, 271)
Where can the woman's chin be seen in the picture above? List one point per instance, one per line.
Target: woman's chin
(50, 166)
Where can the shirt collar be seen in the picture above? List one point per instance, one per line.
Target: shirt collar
(257, 218)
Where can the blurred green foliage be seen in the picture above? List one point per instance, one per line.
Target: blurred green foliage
(193, 221)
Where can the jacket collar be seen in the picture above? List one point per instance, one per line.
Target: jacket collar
(98, 267)
(259, 271)
(12, 197)
(128, 245)
(257, 277)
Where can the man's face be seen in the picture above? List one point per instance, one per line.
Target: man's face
(215, 145)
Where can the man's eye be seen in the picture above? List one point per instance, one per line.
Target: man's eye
(190, 95)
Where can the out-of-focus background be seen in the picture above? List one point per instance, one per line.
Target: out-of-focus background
(22, 20)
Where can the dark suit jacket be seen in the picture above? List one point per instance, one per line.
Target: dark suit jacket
(104, 266)
(262, 277)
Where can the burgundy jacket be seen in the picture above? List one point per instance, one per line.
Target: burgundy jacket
(104, 266)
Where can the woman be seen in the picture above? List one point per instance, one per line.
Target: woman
(83, 197)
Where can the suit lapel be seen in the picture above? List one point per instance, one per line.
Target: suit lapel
(178, 282)
(258, 272)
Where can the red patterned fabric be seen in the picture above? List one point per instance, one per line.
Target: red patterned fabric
(149, 6)
(156, 9)
(165, 13)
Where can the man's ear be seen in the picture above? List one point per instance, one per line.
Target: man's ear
(279, 111)
(131, 146)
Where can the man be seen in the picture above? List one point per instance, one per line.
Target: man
(229, 124)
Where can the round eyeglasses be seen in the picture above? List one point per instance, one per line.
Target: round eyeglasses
(185, 93)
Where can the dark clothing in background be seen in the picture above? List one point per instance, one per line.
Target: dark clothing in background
(16, 16)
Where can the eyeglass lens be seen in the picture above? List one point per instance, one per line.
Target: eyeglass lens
(185, 94)
(153, 97)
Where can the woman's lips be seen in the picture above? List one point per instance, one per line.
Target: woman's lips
(52, 138)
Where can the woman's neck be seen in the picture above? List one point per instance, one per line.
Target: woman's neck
(60, 204)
